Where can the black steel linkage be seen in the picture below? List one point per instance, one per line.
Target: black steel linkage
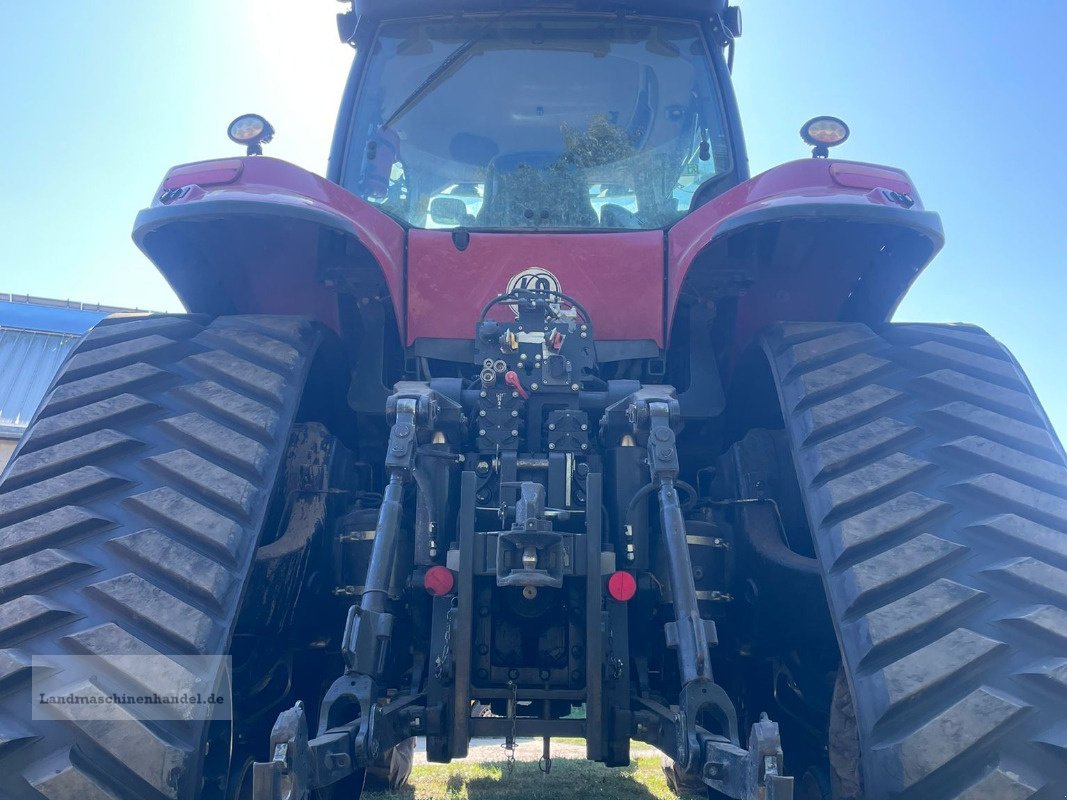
(617, 685)
(594, 621)
(461, 634)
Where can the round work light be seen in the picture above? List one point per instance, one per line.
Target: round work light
(251, 130)
(822, 133)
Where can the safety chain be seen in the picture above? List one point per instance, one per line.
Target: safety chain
(509, 742)
(441, 662)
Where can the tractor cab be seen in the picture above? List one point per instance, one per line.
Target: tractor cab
(554, 121)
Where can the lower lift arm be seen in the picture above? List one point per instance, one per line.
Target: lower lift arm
(717, 757)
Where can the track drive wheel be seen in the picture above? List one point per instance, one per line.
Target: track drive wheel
(129, 518)
(936, 493)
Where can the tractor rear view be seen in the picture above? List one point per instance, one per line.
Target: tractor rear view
(537, 417)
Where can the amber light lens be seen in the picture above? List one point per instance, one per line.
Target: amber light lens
(248, 128)
(825, 131)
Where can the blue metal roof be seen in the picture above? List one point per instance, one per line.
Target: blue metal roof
(54, 319)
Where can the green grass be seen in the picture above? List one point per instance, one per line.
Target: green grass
(571, 779)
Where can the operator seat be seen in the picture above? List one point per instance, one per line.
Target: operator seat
(536, 189)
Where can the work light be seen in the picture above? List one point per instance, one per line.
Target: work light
(251, 130)
(823, 133)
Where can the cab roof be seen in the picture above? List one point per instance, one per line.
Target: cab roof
(400, 9)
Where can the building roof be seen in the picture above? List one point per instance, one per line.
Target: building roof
(53, 316)
(36, 334)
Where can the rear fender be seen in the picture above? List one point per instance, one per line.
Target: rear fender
(813, 240)
(258, 235)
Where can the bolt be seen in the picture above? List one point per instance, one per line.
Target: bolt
(583, 334)
(513, 674)
(482, 394)
(482, 468)
(551, 445)
(483, 649)
(515, 433)
(514, 413)
(481, 432)
(585, 427)
(551, 426)
(336, 760)
(585, 447)
(481, 413)
(545, 674)
(522, 356)
(533, 387)
(514, 395)
(713, 771)
(575, 387)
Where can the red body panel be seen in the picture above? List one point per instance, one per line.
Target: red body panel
(244, 235)
(262, 196)
(618, 277)
(815, 276)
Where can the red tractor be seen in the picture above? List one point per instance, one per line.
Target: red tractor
(537, 417)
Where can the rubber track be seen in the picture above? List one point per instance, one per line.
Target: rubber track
(128, 522)
(937, 497)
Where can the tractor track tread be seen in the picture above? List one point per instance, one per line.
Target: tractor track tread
(134, 378)
(994, 426)
(128, 521)
(218, 443)
(68, 455)
(58, 777)
(111, 412)
(936, 492)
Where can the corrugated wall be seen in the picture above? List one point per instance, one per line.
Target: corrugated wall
(28, 362)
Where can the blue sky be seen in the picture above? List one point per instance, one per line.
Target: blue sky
(99, 98)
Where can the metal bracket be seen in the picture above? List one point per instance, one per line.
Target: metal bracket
(299, 765)
(755, 774)
(285, 776)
